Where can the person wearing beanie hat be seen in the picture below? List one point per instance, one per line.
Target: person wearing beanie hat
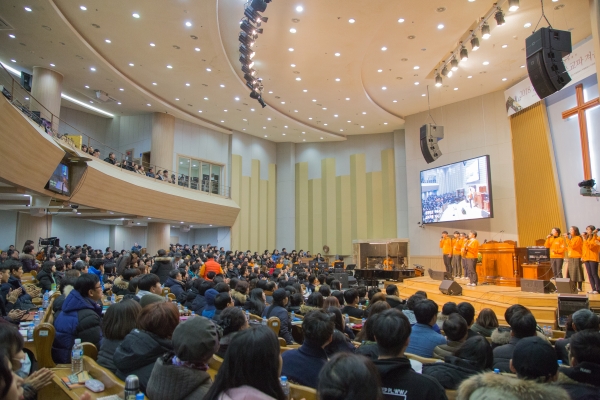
(210, 308)
(151, 298)
(278, 309)
(182, 373)
(535, 359)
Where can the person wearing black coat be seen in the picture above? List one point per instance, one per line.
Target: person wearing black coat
(162, 266)
(199, 303)
(175, 284)
(278, 309)
(46, 278)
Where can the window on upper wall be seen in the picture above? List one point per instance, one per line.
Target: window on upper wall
(200, 175)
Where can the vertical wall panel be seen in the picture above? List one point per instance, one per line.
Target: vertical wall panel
(272, 208)
(344, 223)
(369, 191)
(33, 228)
(376, 205)
(263, 208)
(328, 207)
(236, 190)
(245, 213)
(358, 188)
(539, 205)
(255, 217)
(315, 215)
(388, 193)
(302, 207)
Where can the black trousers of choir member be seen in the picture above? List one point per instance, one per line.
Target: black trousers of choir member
(557, 264)
(471, 269)
(456, 265)
(592, 270)
(448, 263)
(464, 265)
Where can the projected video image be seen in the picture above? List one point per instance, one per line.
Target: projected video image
(456, 192)
(59, 182)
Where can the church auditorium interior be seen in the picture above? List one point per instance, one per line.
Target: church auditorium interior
(265, 199)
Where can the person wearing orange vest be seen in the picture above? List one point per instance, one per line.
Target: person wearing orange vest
(446, 244)
(456, 258)
(557, 245)
(470, 253)
(210, 265)
(589, 256)
(574, 249)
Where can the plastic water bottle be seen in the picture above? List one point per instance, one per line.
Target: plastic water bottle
(247, 315)
(193, 314)
(139, 396)
(77, 357)
(36, 320)
(41, 314)
(113, 299)
(167, 298)
(285, 386)
(496, 371)
(45, 301)
(30, 332)
(264, 321)
(360, 306)
(560, 363)
(347, 319)
(293, 316)
(364, 321)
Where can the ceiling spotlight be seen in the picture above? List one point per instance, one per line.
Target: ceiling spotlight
(503, 79)
(92, 69)
(28, 9)
(486, 63)
(527, 25)
(52, 65)
(337, 54)
(87, 87)
(188, 24)
(135, 15)
(337, 79)
(187, 84)
(454, 64)
(450, 73)
(504, 46)
(299, 9)
(293, 30)
(379, 70)
(383, 88)
(438, 81)
(416, 83)
(197, 49)
(464, 54)
(352, 20)
(154, 83)
(469, 77)
(11, 36)
(513, 5)
(13, 60)
(384, 48)
(83, 8)
(475, 42)
(131, 64)
(400, 20)
(152, 45)
(485, 31)
(499, 17)
(107, 40)
(298, 79)
(170, 66)
(440, 26)
(444, 71)
(291, 49)
(208, 69)
(416, 67)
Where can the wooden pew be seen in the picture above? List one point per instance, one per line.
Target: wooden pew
(424, 360)
(213, 366)
(302, 392)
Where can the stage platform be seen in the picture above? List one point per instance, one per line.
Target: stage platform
(498, 298)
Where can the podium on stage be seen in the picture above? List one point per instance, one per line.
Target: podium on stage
(501, 263)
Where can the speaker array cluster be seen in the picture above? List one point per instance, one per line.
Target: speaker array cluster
(250, 26)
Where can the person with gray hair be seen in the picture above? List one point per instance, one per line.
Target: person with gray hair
(583, 319)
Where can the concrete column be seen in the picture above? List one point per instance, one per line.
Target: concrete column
(46, 88)
(163, 136)
(595, 20)
(286, 196)
(159, 236)
(32, 228)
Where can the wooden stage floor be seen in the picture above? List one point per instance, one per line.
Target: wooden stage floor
(498, 298)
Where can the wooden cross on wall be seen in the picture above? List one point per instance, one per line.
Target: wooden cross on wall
(579, 110)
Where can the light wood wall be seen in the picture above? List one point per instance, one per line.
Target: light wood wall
(163, 138)
(32, 228)
(539, 204)
(254, 228)
(334, 210)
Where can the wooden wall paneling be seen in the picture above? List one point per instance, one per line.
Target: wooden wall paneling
(257, 221)
(538, 200)
(236, 190)
(376, 196)
(344, 217)
(158, 236)
(328, 204)
(46, 87)
(263, 233)
(315, 216)
(162, 144)
(245, 214)
(388, 193)
(358, 188)
(302, 206)
(33, 228)
(272, 207)
(369, 191)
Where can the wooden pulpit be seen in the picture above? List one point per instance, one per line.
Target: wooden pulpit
(501, 263)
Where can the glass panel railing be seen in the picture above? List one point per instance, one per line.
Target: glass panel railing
(67, 134)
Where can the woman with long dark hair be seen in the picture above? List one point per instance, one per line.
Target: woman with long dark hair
(574, 248)
(250, 369)
(349, 377)
(256, 303)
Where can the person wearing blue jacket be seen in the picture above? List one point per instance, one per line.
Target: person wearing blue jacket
(210, 309)
(80, 318)
(175, 284)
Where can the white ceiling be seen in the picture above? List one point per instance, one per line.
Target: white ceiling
(59, 32)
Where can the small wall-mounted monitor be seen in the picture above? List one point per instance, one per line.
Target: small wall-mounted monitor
(457, 192)
(59, 181)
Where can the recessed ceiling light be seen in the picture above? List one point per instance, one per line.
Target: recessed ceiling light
(11, 36)
(325, 124)
(335, 115)
(221, 85)
(362, 126)
(291, 49)
(148, 104)
(119, 103)
(208, 69)
(87, 87)
(13, 60)
(469, 77)
(170, 66)
(352, 20)
(237, 99)
(152, 45)
(522, 66)
(107, 40)
(364, 112)
(197, 48)
(283, 134)
(416, 83)
(504, 46)
(264, 127)
(92, 69)
(310, 118)
(292, 30)
(131, 64)
(304, 140)
(222, 122)
(486, 63)
(527, 25)
(270, 92)
(385, 123)
(154, 83)
(91, 102)
(225, 110)
(440, 26)
(176, 98)
(337, 54)
(252, 109)
(52, 65)
(206, 98)
(83, 8)
(347, 98)
(400, 20)
(303, 133)
(394, 101)
(28, 9)
(283, 102)
(188, 24)
(298, 79)
(135, 15)
(341, 130)
(455, 88)
(321, 138)
(337, 79)
(245, 120)
(383, 88)
(268, 119)
(299, 9)
(187, 84)
(293, 65)
(504, 79)
(423, 95)
(416, 67)
(324, 108)
(379, 70)
(305, 90)
(265, 135)
(384, 48)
